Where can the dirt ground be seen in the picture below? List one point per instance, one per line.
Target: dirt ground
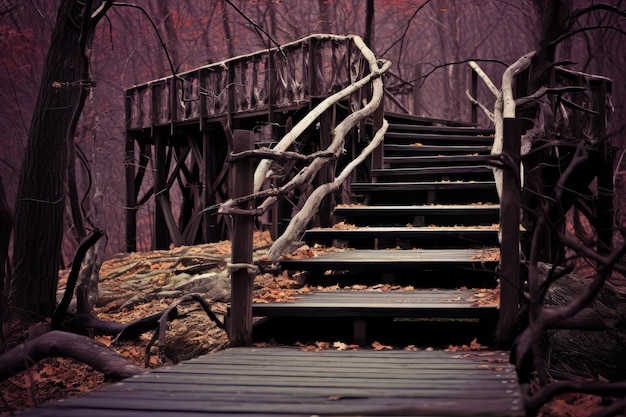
(194, 335)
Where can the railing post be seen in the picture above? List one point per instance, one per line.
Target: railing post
(231, 92)
(160, 232)
(474, 92)
(131, 196)
(510, 206)
(378, 155)
(241, 184)
(417, 97)
(173, 104)
(312, 73)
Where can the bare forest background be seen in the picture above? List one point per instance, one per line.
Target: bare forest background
(429, 44)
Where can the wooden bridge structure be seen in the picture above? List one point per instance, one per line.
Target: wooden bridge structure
(417, 261)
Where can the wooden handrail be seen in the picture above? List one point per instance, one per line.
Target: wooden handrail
(253, 79)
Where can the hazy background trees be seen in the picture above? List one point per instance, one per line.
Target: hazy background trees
(416, 35)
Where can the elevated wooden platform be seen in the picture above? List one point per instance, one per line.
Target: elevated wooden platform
(290, 382)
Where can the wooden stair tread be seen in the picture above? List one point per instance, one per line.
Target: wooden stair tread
(435, 138)
(403, 232)
(453, 130)
(371, 303)
(383, 210)
(421, 185)
(370, 259)
(441, 170)
(434, 149)
(440, 236)
(437, 160)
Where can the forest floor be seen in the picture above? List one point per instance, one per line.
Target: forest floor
(124, 298)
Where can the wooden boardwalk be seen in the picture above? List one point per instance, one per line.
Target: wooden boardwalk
(287, 381)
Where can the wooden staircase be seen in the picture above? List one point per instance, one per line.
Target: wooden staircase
(423, 237)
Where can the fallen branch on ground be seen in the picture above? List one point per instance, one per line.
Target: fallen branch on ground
(57, 343)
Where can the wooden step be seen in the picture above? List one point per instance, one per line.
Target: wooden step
(405, 237)
(442, 130)
(371, 259)
(437, 160)
(430, 303)
(408, 138)
(422, 215)
(395, 150)
(402, 118)
(366, 187)
(426, 192)
(452, 173)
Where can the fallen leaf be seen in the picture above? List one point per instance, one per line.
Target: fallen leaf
(378, 346)
(340, 345)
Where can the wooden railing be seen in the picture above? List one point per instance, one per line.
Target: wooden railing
(315, 66)
(577, 111)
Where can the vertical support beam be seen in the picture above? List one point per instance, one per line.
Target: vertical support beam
(231, 92)
(417, 94)
(131, 196)
(378, 155)
(474, 92)
(311, 70)
(510, 206)
(160, 233)
(327, 174)
(207, 181)
(272, 85)
(241, 183)
(173, 103)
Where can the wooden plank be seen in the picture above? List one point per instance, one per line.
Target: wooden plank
(447, 160)
(418, 210)
(436, 150)
(340, 384)
(406, 304)
(366, 259)
(443, 171)
(471, 232)
(459, 130)
(408, 138)
(422, 186)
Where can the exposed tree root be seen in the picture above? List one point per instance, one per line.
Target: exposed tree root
(68, 345)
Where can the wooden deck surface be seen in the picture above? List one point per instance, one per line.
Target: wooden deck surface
(287, 381)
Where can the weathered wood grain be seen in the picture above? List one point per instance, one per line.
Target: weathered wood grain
(290, 382)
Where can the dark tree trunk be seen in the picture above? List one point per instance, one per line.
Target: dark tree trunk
(41, 196)
(6, 225)
(553, 15)
(369, 25)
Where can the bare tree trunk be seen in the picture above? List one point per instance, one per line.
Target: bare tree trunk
(227, 33)
(553, 15)
(6, 225)
(40, 203)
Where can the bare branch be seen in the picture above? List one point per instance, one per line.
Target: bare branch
(488, 112)
(302, 125)
(299, 222)
(268, 153)
(479, 71)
